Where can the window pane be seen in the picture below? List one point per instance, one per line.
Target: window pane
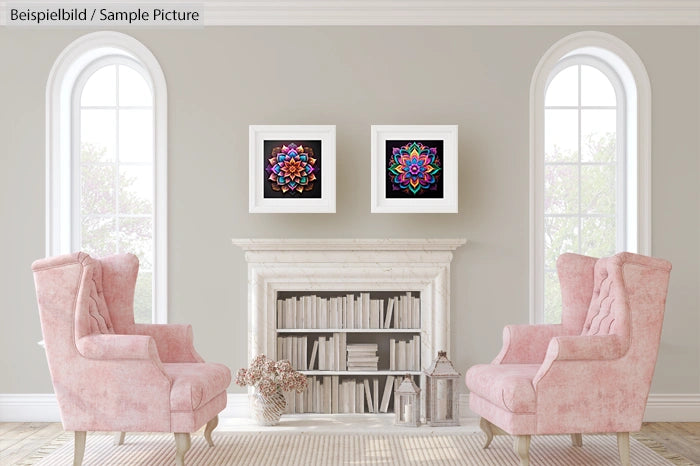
(143, 297)
(598, 189)
(135, 189)
(136, 136)
(596, 88)
(563, 88)
(133, 89)
(552, 298)
(96, 187)
(561, 189)
(100, 88)
(98, 235)
(560, 135)
(598, 236)
(560, 236)
(136, 237)
(598, 135)
(116, 170)
(98, 128)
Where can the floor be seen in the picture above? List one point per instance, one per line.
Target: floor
(20, 440)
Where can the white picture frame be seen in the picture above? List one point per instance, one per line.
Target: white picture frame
(425, 199)
(271, 198)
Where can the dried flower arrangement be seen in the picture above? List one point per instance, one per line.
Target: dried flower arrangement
(269, 376)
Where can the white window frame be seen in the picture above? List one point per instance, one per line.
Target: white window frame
(620, 60)
(61, 142)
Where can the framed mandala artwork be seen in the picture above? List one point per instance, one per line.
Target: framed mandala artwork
(414, 168)
(292, 168)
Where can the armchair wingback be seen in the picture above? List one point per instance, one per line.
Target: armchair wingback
(111, 374)
(592, 372)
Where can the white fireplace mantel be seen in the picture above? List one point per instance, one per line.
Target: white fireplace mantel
(349, 265)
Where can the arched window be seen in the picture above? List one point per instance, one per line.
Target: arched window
(590, 103)
(106, 159)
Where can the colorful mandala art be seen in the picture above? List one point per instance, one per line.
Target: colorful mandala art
(291, 169)
(414, 168)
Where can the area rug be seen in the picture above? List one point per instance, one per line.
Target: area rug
(305, 448)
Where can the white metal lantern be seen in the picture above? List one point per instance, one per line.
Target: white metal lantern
(442, 396)
(407, 403)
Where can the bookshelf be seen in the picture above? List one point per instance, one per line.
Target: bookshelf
(353, 347)
(286, 267)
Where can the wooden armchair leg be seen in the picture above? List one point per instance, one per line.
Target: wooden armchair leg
(119, 438)
(521, 445)
(577, 440)
(79, 447)
(182, 443)
(211, 425)
(623, 447)
(487, 428)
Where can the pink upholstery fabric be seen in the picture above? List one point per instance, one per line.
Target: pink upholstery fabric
(508, 386)
(174, 341)
(526, 344)
(520, 424)
(595, 375)
(195, 384)
(107, 372)
(576, 282)
(190, 421)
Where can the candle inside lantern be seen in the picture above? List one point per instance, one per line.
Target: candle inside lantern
(408, 412)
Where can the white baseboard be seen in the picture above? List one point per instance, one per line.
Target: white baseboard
(237, 405)
(29, 407)
(42, 407)
(673, 408)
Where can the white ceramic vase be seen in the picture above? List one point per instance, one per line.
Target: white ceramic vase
(268, 409)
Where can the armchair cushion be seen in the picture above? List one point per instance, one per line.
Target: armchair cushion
(195, 384)
(508, 386)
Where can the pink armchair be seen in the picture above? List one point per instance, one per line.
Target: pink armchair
(592, 372)
(111, 374)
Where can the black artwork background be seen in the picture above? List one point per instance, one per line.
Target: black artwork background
(439, 193)
(270, 193)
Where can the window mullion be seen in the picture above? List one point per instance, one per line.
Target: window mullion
(580, 221)
(117, 225)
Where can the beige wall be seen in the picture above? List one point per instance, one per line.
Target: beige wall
(220, 80)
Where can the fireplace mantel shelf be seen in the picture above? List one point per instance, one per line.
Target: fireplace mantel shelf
(349, 244)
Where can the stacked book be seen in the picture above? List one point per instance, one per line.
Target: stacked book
(362, 356)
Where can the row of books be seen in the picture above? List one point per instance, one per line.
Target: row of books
(331, 394)
(404, 355)
(348, 311)
(327, 353)
(335, 354)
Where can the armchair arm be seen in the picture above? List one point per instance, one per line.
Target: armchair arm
(117, 383)
(113, 347)
(175, 342)
(526, 344)
(584, 347)
(587, 349)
